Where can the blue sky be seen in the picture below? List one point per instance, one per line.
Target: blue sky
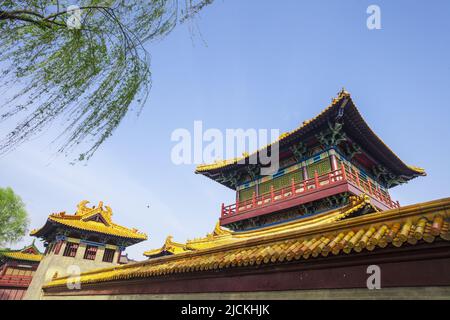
(257, 64)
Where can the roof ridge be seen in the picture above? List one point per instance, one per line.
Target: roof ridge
(221, 163)
(80, 220)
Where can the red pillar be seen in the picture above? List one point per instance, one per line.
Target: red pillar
(334, 165)
(344, 175)
(316, 179)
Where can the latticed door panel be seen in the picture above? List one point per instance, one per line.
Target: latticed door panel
(322, 167)
(246, 194)
(281, 182)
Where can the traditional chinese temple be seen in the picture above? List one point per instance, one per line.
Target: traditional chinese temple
(17, 268)
(86, 240)
(313, 229)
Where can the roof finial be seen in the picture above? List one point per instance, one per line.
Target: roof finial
(343, 92)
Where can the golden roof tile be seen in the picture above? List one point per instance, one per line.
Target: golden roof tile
(343, 94)
(169, 246)
(17, 255)
(221, 236)
(95, 219)
(379, 229)
(28, 253)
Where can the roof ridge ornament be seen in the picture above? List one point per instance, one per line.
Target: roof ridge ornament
(343, 92)
(219, 231)
(82, 209)
(97, 219)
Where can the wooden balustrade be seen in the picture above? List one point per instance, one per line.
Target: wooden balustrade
(344, 173)
(15, 280)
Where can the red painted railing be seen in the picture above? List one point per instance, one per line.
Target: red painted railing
(344, 173)
(15, 280)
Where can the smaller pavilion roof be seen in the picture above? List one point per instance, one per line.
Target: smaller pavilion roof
(28, 253)
(96, 219)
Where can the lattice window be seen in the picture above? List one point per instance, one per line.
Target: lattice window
(283, 181)
(108, 256)
(90, 252)
(264, 187)
(57, 247)
(71, 249)
(322, 167)
(246, 194)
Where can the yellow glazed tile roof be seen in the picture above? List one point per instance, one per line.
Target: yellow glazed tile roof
(28, 253)
(22, 256)
(343, 94)
(169, 246)
(96, 219)
(423, 222)
(221, 236)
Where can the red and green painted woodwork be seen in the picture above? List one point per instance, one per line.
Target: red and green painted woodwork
(315, 179)
(334, 153)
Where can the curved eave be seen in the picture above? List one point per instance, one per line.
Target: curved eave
(14, 255)
(51, 223)
(153, 252)
(364, 135)
(169, 247)
(361, 132)
(157, 252)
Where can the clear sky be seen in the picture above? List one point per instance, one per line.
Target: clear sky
(257, 64)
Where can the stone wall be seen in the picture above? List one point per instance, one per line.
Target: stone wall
(53, 265)
(360, 294)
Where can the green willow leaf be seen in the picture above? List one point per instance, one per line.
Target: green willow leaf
(88, 77)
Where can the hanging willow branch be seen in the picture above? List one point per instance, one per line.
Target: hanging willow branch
(88, 76)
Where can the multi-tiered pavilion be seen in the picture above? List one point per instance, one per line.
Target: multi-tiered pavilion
(323, 162)
(315, 226)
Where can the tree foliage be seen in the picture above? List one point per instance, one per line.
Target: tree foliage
(13, 217)
(88, 76)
